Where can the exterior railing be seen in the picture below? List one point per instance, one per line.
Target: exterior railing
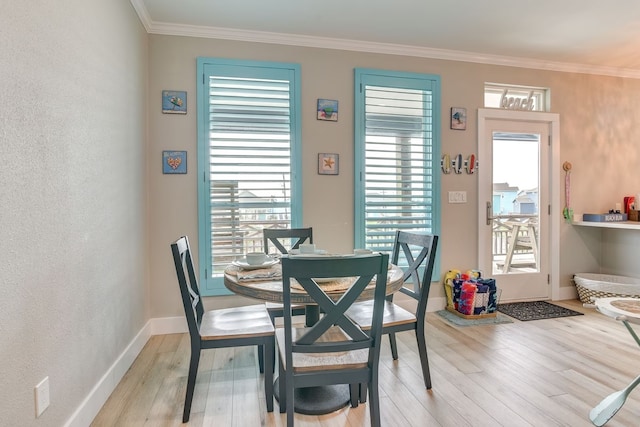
(248, 238)
(501, 234)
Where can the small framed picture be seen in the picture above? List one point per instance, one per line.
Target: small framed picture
(458, 118)
(174, 102)
(174, 162)
(328, 110)
(328, 164)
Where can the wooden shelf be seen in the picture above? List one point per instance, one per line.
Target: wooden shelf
(625, 225)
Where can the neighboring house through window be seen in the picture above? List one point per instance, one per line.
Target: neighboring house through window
(248, 159)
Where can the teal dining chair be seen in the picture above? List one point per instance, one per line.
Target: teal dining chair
(419, 251)
(284, 240)
(231, 327)
(334, 350)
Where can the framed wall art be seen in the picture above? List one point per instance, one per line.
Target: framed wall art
(174, 102)
(328, 110)
(174, 162)
(328, 164)
(458, 118)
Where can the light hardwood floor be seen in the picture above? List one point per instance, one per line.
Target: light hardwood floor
(537, 373)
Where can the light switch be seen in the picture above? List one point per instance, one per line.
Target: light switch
(457, 197)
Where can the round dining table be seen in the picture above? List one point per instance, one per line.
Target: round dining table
(266, 285)
(268, 288)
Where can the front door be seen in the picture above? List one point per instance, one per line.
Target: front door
(514, 178)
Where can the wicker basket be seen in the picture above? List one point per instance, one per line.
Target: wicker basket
(591, 286)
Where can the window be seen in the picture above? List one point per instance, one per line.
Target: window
(248, 159)
(511, 97)
(397, 180)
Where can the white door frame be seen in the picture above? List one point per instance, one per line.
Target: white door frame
(553, 121)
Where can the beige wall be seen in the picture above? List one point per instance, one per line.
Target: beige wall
(599, 134)
(73, 199)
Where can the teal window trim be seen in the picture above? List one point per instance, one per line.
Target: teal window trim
(211, 284)
(410, 81)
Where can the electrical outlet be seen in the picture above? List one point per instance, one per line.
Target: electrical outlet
(457, 197)
(42, 396)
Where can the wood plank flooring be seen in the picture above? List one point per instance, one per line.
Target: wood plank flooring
(537, 373)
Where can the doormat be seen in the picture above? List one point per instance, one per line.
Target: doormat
(459, 321)
(535, 310)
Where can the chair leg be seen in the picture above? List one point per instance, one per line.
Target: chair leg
(282, 391)
(354, 394)
(374, 403)
(424, 360)
(394, 346)
(191, 383)
(290, 390)
(363, 392)
(269, 349)
(261, 350)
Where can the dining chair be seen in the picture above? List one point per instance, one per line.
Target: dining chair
(230, 327)
(334, 350)
(282, 239)
(396, 318)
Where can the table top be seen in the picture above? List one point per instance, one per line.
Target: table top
(271, 289)
(620, 308)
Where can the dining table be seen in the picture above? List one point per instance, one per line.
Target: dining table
(265, 283)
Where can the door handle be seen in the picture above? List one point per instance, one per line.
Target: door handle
(489, 212)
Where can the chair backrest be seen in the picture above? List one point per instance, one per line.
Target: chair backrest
(360, 270)
(191, 299)
(295, 237)
(425, 245)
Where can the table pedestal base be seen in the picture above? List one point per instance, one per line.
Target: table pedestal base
(318, 400)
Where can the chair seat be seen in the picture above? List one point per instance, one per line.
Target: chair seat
(394, 315)
(309, 362)
(238, 322)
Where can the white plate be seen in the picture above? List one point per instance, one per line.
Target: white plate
(242, 263)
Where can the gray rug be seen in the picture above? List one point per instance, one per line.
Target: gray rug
(535, 310)
(459, 321)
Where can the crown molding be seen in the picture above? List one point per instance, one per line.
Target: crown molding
(170, 29)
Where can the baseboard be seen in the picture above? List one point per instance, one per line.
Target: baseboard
(169, 325)
(568, 292)
(89, 408)
(436, 304)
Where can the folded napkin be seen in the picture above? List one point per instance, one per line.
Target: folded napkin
(260, 274)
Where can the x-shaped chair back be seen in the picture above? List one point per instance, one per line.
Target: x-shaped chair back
(416, 285)
(191, 298)
(363, 270)
(296, 235)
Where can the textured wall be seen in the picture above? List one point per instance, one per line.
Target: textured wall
(73, 196)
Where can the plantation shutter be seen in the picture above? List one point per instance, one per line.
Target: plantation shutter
(397, 181)
(250, 133)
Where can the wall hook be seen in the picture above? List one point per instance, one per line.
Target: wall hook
(471, 164)
(456, 163)
(445, 164)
